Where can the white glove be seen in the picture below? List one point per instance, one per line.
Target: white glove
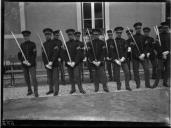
(122, 59)
(85, 59)
(26, 62)
(50, 63)
(148, 54)
(59, 59)
(165, 53)
(48, 66)
(72, 64)
(141, 57)
(129, 49)
(118, 62)
(69, 63)
(95, 63)
(98, 63)
(107, 58)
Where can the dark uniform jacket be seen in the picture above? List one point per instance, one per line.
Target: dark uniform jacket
(52, 50)
(59, 44)
(151, 44)
(142, 45)
(121, 45)
(129, 42)
(75, 51)
(109, 44)
(29, 49)
(99, 49)
(165, 44)
(81, 51)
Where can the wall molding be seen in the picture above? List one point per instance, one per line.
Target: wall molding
(163, 12)
(78, 5)
(107, 18)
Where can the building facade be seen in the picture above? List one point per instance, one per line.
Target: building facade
(35, 16)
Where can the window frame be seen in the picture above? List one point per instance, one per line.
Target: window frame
(93, 15)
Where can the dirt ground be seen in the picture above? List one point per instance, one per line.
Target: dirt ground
(142, 105)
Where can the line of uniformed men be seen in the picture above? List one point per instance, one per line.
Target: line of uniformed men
(116, 52)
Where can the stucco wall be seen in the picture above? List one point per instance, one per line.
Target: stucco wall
(127, 13)
(40, 15)
(64, 15)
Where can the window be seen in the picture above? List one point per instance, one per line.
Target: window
(93, 16)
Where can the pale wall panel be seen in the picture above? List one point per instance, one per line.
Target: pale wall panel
(126, 14)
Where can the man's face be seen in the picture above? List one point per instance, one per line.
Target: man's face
(26, 37)
(138, 29)
(146, 33)
(128, 35)
(95, 35)
(110, 35)
(48, 36)
(118, 34)
(71, 36)
(56, 36)
(77, 37)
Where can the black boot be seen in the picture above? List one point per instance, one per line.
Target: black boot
(83, 92)
(36, 95)
(72, 91)
(49, 92)
(105, 88)
(55, 94)
(96, 90)
(118, 86)
(128, 88)
(155, 83)
(165, 84)
(29, 93)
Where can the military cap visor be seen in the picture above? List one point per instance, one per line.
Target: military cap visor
(56, 32)
(146, 29)
(160, 27)
(94, 31)
(164, 24)
(119, 29)
(70, 31)
(109, 31)
(77, 33)
(137, 24)
(128, 31)
(47, 31)
(26, 33)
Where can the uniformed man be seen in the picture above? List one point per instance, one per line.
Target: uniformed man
(77, 39)
(108, 60)
(119, 54)
(129, 41)
(140, 53)
(152, 56)
(56, 38)
(163, 55)
(77, 55)
(51, 61)
(29, 65)
(96, 55)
